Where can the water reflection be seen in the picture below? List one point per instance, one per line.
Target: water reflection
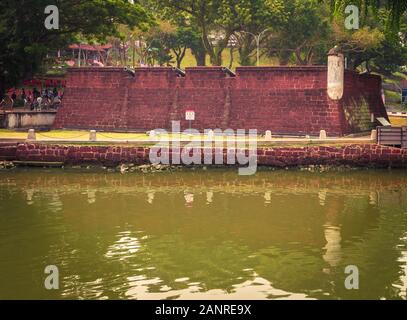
(91, 196)
(402, 284)
(267, 197)
(203, 235)
(209, 197)
(333, 245)
(125, 247)
(150, 197)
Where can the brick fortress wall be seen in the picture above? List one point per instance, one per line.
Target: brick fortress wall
(290, 100)
(355, 155)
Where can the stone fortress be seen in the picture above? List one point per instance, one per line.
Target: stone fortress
(285, 100)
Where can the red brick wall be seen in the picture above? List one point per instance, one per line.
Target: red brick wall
(8, 150)
(366, 155)
(362, 97)
(290, 100)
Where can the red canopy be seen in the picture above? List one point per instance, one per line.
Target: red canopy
(88, 47)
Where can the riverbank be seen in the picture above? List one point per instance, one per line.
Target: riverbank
(110, 156)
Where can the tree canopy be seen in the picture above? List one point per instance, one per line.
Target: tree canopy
(396, 8)
(25, 40)
(164, 31)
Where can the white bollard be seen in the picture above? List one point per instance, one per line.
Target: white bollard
(210, 135)
(322, 134)
(152, 135)
(267, 136)
(373, 135)
(92, 135)
(31, 135)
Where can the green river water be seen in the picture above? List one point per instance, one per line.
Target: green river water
(203, 234)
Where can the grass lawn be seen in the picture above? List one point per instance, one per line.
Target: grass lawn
(72, 135)
(75, 137)
(189, 60)
(398, 121)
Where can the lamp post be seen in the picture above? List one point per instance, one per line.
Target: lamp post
(257, 37)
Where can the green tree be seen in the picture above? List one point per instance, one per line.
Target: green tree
(160, 39)
(373, 46)
(216, 20)
(180, 41)
(304, 33)
(25, 40)
(264, 17)
(396, 8)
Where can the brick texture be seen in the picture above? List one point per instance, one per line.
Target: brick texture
(290, 100)
(363, 155)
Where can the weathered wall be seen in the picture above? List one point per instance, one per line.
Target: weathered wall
(362, 97)
(8, 150)
(366, 155)
(27, 119)
(290, 100)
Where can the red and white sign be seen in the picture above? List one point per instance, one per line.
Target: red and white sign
(190, 115)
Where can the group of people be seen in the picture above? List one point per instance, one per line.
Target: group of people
(36, 100)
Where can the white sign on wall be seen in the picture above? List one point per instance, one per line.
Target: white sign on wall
(190, 115)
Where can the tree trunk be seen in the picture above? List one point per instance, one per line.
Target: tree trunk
(244, 52)
(231, 58)
(284, 57)
(2, 89)
(300, 60)
(216, 57)
(179, 56)
(200, 56)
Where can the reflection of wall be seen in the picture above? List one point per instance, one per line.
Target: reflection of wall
(333, 245)
(106, 229)
(289, 203)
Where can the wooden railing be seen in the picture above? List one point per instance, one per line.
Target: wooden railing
(392, 136)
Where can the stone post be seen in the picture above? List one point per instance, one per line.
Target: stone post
(373, 135)
(336, 74)
(92, 135)
(210, 135)
(267, 136)
(31, 135)
(322, 134)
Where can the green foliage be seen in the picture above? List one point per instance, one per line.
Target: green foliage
(264, 16)
(396, 8)
(303, 35)
(25, 40)
(216, 20)
(372, 47)
(295, 31)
